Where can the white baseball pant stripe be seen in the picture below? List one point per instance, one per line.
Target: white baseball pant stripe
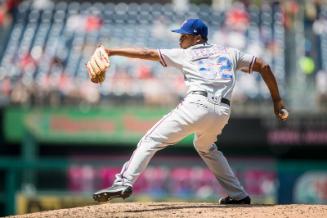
(194, 115)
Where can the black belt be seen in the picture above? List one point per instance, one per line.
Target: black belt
(223, 100)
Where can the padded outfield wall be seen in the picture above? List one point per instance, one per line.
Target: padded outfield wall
(115, 125)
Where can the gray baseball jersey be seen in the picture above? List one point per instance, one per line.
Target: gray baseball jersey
(208, 68)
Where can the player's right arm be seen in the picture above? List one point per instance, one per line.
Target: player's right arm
(264, 69)
(140, 53)
(248, 63)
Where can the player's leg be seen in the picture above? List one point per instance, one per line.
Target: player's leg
(169, 130)
(219, 166)
(204, 142)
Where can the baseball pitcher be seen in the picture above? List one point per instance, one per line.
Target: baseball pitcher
(209, 71)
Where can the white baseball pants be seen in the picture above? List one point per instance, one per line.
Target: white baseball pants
(193, 115)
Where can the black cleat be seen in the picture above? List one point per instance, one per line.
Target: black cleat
(115, 191)
(229, 200)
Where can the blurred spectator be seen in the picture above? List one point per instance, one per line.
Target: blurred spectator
(7, 9)
(93, 23)
(5, 86)
(320, 26)
(237, 18)
(75, 22)
(20, 94)
(290, 9)
(321, 89)
(5, 18)
(89, 93)
(27, 63)
(310, 11)
(11, 6)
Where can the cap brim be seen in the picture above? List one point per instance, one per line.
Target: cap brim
(181, 31)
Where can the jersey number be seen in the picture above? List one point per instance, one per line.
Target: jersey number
(221, 69)
(226, 64)
(225, 67)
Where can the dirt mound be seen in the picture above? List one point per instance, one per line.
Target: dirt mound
(186, 209)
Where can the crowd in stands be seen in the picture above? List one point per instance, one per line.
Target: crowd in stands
(43, 60)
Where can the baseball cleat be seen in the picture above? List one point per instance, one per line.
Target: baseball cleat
(115, 191)
(229, 200)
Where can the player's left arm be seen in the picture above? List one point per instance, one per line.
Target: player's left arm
(99, 62)
(140, 53)
(264, 69)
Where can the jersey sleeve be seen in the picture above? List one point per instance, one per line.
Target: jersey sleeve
(171, 57)
(244, 61)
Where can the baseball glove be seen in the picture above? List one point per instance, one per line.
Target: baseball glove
(98, 64)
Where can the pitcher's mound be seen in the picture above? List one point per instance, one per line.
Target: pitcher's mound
(186, 209)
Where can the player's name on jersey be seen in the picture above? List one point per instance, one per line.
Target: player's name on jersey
(207, 51)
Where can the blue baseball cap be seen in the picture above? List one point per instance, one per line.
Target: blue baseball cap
(193, 27)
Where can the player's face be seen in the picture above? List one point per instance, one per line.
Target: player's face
(187, 40)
